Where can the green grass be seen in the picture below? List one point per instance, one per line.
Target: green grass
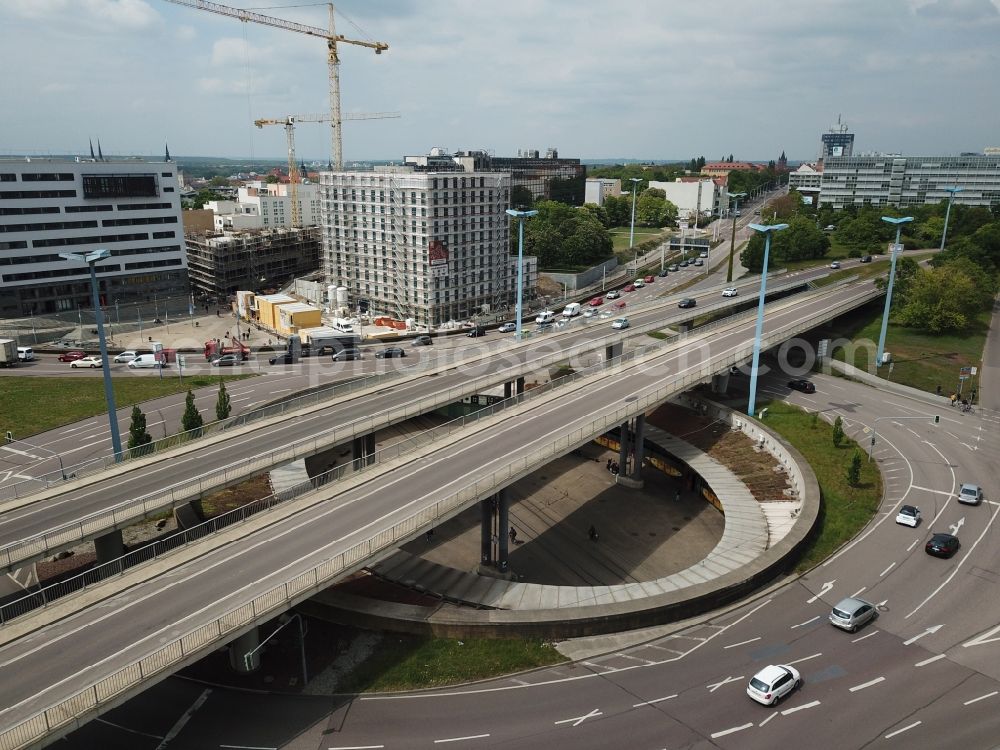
(31, 405)
(403, 662)
(619, 236)
(845, 509)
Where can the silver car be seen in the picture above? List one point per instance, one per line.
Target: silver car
(851, 613)
(970, 494)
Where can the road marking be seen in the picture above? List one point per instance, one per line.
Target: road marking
(462, 739)
(868, 684)
(893, 565)
(768, 719)
(713, 686)
(805, 623)
(913, 544)
(21, 453)
(657, 700)
(799, 708)
(865, 636)
(742, 643)
(185, 718)
(578, 720)
(981, 698)
(823, 590)
(935, 492)
(957, 525)
(907, 727)
(347, 747)
(258, 747)
(918, 636)
(925, 662)
(859, 592)
(724, 732)
(804, 658)
(987, 637)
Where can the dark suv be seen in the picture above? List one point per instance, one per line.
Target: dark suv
(390, 353)
(346, 354)
(423, 341)
(687, 302)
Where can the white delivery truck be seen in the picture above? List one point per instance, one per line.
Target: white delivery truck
(545, 316)
(8, 353)
(571, 310)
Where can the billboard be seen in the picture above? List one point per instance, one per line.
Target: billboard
(437, 254)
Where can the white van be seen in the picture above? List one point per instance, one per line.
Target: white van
(571, 310)
(545, 316)
(25, 353)
(145, 360)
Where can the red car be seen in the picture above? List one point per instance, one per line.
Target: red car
(629, 288)
(596, 302)
(71, 356)
(620, 304)
(650, 279)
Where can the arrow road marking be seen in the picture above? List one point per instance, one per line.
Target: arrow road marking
(577, 721)
(956, 526)
(822, 591)
(918, 636)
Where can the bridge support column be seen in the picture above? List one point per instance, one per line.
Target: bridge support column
(520, 385)
(109, 547)
(363, 451)
(624, 443)
(503, 529)
(613, 352)
(720, 383)
(243, 656)
(486, 531)
(507, 390)
(634, 478)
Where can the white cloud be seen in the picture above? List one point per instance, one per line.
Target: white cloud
(107, 15)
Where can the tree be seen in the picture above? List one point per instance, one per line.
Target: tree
(272, 179)
(562, 236)
(521, 197)
(854, 470)
(599, 213)
(653, 210)
(218, 181)
(191, 420)
(138, 439)
(619, 209)
(940, 300)
(802, 240)
(222, 406)
(838, 432)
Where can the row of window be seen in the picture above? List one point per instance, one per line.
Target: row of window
(21, 194)
(47, 226)
(138, 222)
(99, 239)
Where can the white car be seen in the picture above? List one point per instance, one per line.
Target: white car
(613, 294)
(773, 683)
(589, 312)
(703, 254)
(507, 328)
(909, 515)
(91, 361)
(730, 291)
(638, 283)
(835, 264)
(126, 356)
(620, 323)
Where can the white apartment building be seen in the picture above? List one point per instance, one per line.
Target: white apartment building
(430, 246)
(52, 206)
(703, 197)
(597, 189)
(263, 205)
(891, 179)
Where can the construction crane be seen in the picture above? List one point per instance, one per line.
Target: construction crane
(294, 178)
(333, 60)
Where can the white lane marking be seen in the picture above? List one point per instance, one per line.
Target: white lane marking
(865, 636)
(931, 660)
(913, 544)
(981, 698)
(633, 658)
(257, 747)
(351, 747)
(768, 719)
(741, 643)
(918, 636)
(799, 708)
(907, 727)
(120, 728)
(461, 739)
(868, 684)
(656, 700)
(934, 492)
(185, 718)
(21, 453)
(578, 720)
(804, 658)
(822, 590)
(893, 565)
(724, 732)
(805, 623)
(713, 686)
(859, 592)
(984, 638)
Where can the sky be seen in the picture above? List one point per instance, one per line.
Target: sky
(646, 79)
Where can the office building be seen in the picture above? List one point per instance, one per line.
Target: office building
(837, 142)
(49, 206)
(598, 188)
(693, 195)
(807, 179)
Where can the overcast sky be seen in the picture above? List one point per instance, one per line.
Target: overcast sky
(648, 79)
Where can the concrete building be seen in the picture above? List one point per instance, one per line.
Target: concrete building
(701, 196)
(723, 168)
(263, 205)
(837, 142)
(891, 179)
(220, 263)
(52, 206)
(430, 246)
(598, 188)
(807, 179)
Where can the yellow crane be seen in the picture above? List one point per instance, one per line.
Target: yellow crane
(294, 178)
(333, 60)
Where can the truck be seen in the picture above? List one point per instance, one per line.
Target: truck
(8, 353)
(216, 348)
(571, 310)
(545, 316)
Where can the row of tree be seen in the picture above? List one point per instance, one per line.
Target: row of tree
(139, 439)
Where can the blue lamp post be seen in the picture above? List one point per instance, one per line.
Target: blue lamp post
(732, 245)
(631, 232)
(520, 216)
(91, 259)
(947, 214)
(892, 277)
(766, 230)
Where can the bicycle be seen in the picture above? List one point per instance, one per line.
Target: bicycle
(968, 409)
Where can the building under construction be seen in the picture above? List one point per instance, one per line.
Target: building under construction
(221, 263)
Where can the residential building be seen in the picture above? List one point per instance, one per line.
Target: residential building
(264, 205)
(50, 206)
(693, 196)
(723, 168)
(429, 246)
(598, 188)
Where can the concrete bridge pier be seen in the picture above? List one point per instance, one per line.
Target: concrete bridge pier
(494, 532)
(363, 451)
(613, 352)
(512, 387)
(631, 452)
(244, 656)
(109, 547)
(720, 383)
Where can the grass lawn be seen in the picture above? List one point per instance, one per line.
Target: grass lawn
(845, 509)
(619, 236)
(31, 405)
(409, 662)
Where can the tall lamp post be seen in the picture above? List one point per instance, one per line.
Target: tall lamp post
(631, 232)
(732, 245)
(91, 259)
(947, 214)
(520, 216)
(892, 277)
(767, 230)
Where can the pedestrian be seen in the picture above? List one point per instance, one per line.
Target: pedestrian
(227, 334)
(954, 398)
(592, 533)
(614, 468)
(430, 534)
(610, 461)
(677, 496)
(939, 390)
(513, 535)
(972, 396)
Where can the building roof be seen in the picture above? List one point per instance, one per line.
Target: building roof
(295, 307)
(276, 299)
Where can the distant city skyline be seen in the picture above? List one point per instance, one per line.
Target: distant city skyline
(659, 81)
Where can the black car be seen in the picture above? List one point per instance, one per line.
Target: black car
(942, 545)
(866, 259)
(806, 386)
(391, 352)
(285, 358)
(423, 341)
(663, 273)
(346, 354)
(476, 332)
(687, 302)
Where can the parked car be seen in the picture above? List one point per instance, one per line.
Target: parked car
(620, 323)
(629, 288)
(909, 515)
(730, 291)
(851, 613)
(835, 264)
(801, 384)
(89, 361)
(507, 328)
(344, 355)
(423, 341)
(613, 294)
(227, 360)
(942, 545)
(649, 279)
(970, 494)
(687, 302)
(664, 272)
(71, 356)
(773, 683)
(126, 356)
(390, 353)
(596, 302)
(284, 358)
(475, 332)
(866, 259)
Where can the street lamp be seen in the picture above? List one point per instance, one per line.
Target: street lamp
(732, 246)
(767, 230)
(951, 196)
(91, 259)
(520, 216)
(892, 277)
(631, 233)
